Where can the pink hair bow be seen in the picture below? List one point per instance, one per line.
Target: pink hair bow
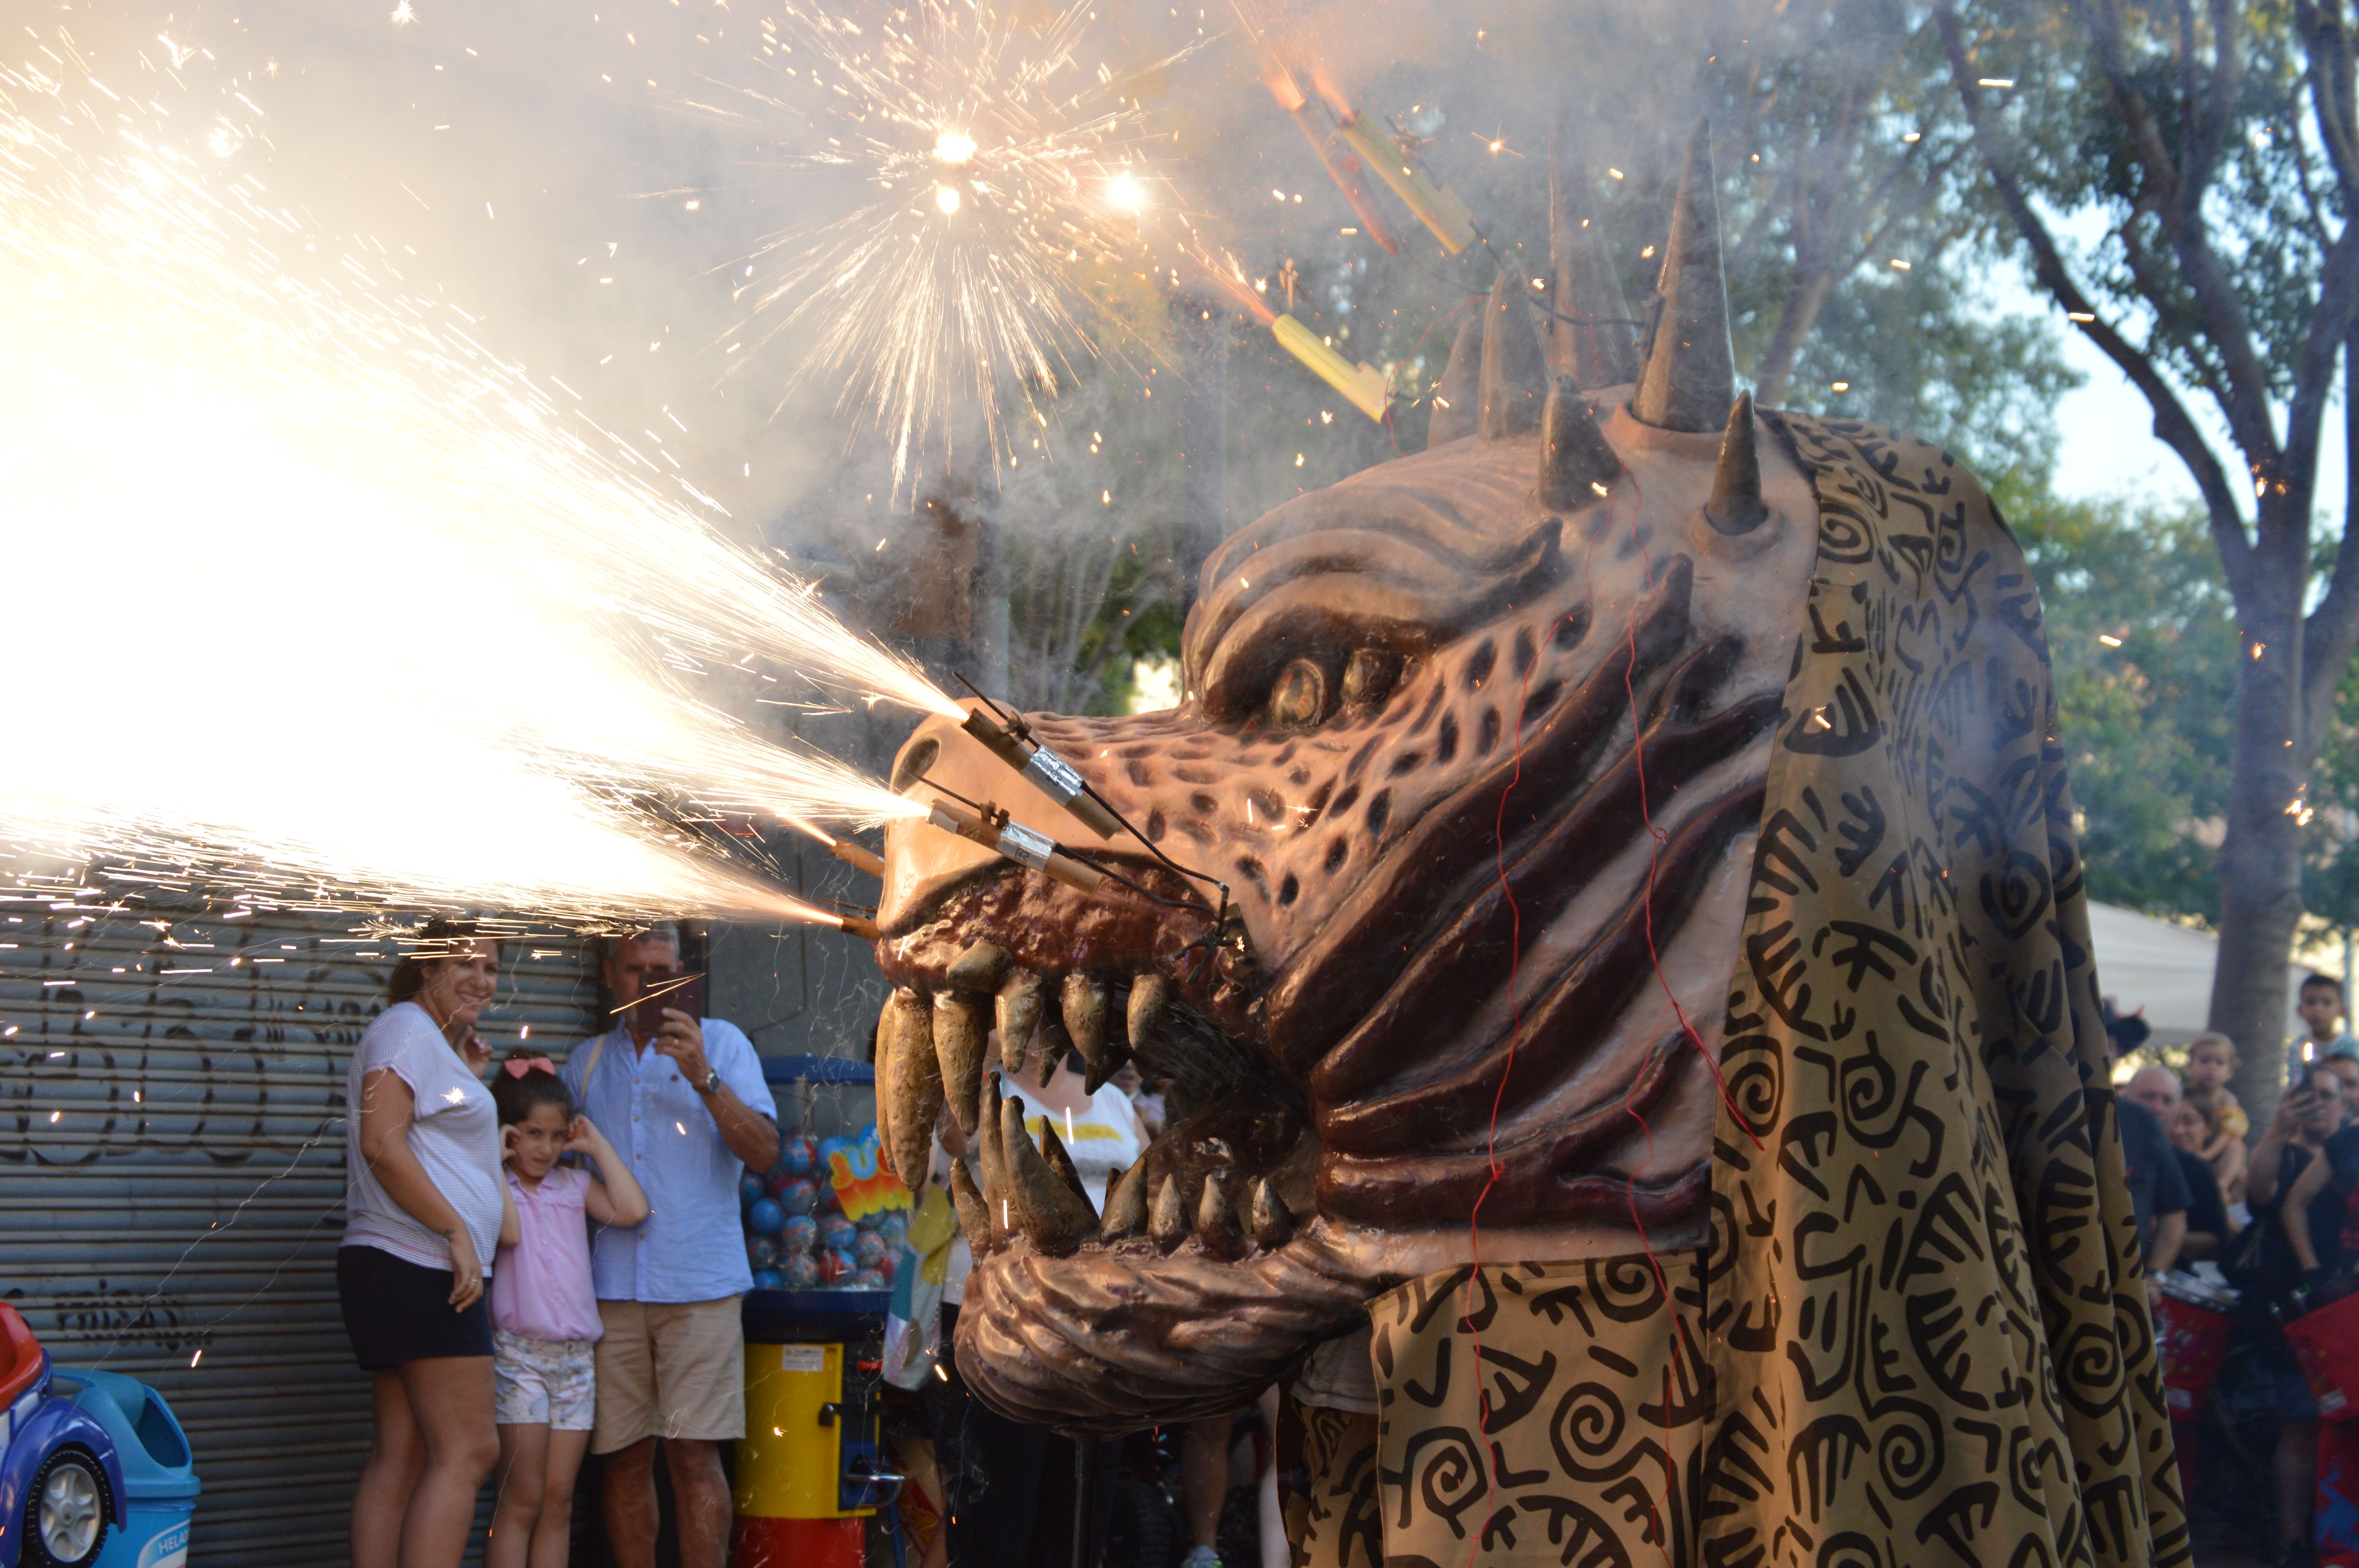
(519, 1066)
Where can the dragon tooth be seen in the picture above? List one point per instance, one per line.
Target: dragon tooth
(1149, 993)
(991, 1163)
(1125, 1210)
(1056, 1219)
(878, 1062)
(912, 1081)
(1273, 1222)
(1052, 1149)
(1017, 1011)
(1216, 1220)
(978, 968)
(1168, 1217)
(959, 1030)
(973, 1212)
(1083, 1000)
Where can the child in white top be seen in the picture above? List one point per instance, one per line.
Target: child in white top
(544, 1313)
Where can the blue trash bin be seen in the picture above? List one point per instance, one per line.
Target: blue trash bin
(159, 1475)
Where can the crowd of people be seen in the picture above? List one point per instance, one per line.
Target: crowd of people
(518, 1312)
(2274, 1216)
(515, 1313)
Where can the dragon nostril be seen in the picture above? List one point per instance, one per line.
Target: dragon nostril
(915, 764)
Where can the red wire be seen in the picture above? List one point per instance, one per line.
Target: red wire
(1515, 1032)
(1656, 838)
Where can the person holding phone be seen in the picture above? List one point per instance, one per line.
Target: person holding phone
(681, 1098)
(424, 1211)
(2266, 1267)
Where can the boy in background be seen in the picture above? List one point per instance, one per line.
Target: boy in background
(2324, 1037)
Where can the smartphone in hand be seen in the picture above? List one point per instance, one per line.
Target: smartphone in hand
(675, 990)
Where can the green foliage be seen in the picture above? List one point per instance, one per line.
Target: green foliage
(1922, 354)
(2147, 725)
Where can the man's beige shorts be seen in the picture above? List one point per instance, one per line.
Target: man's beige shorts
(673, 1371)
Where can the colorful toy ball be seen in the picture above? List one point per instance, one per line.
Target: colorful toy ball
(750, 1188)
(761, 1252)
(797, 1156)
(769, 1280)
(833, 1267)
(802, 1271)
(887, 1266)
(867, 1247)
(867, 1280)
(799, 1197)
(766, 1217)
(893, 1225)
(836, 1233)
(800, 1236)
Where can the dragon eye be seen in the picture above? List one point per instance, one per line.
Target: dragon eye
(1299, 695)
(1370, 676)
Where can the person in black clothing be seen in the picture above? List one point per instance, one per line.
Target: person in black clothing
(2158, 1187)
(2208, 1225)
(2266, 1268)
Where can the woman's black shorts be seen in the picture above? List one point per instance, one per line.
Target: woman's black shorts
(397, 1310)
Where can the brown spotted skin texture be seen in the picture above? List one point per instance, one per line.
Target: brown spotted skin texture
(1482, 777)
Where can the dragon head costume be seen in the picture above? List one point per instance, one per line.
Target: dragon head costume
(1652, 996)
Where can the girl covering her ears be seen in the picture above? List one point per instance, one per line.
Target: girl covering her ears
(544, 1314)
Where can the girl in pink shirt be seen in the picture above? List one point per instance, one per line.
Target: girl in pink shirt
(544, 1316)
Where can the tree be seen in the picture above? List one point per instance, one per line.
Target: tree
(2222, 147)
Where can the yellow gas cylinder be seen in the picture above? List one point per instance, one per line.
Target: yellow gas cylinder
(790, 1462)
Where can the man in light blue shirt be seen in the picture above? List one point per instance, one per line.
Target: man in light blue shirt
(688, 1109)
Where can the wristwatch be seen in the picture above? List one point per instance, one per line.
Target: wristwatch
(712, 1082)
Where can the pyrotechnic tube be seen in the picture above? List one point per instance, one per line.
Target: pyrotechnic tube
(1366, 387)
(1440, 211)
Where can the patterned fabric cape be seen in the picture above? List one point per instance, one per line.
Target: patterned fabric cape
(1919, 1334)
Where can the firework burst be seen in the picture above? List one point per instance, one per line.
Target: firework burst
(321, 600)
(1003, 175)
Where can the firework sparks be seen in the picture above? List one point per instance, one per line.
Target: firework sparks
(316, 597)
(1000, 176)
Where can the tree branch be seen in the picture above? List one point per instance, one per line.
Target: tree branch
(2180, 189)
(2327, 47)
(2313, 376)
(2172, 425)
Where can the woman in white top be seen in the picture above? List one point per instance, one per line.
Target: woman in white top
(425, 1212)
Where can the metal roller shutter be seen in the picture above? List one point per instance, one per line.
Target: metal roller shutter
(172, 1175)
